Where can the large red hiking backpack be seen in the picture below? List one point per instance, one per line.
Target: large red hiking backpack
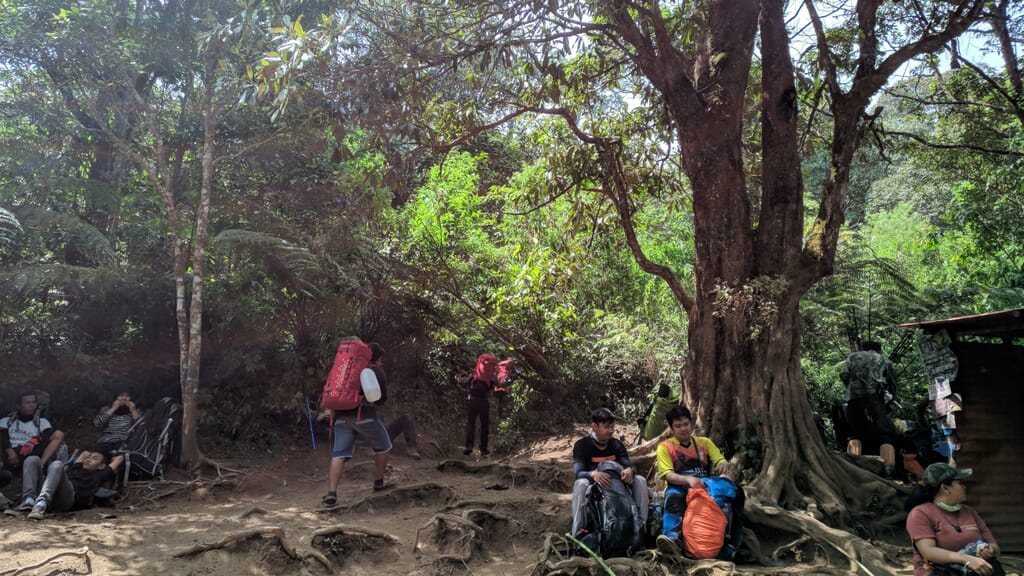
(343, 391)
(507, 371)
(486, 365)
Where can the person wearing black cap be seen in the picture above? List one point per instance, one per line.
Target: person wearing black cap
(949, 537)
(593, 451)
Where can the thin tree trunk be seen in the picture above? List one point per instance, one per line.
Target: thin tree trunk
(190, 453)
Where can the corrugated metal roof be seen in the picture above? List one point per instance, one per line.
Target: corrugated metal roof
(1007, 323)
(991, 429)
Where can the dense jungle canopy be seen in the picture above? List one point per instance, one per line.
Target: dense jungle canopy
(200, 197)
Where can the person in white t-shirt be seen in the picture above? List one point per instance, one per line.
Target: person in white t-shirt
(28, 442)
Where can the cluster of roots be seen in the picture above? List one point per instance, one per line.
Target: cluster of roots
(463, 533)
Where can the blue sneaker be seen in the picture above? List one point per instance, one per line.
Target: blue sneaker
(38, 511)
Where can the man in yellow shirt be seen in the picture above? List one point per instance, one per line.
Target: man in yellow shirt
(682, 461)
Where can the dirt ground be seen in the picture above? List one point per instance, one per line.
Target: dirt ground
(444, 515)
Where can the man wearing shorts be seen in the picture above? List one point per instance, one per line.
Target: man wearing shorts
(362, 422)
(871, 382)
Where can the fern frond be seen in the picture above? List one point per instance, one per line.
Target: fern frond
(288, 262)
(9, 226)
(88, 241)
(48, 282)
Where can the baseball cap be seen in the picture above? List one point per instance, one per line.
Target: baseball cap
(938, 474)
(602, 415)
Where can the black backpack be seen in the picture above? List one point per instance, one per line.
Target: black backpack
(153, 440)
(611, 523)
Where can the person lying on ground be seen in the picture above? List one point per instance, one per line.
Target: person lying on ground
(74, 487)
(949, 537)
(28, 441)
(593, 449)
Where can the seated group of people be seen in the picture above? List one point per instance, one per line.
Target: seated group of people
(948, 537)
(683, 460)
(51, 481)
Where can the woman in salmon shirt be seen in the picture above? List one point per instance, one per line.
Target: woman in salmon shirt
(949, 537)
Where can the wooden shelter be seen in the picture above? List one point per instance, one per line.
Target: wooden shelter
(989, 349)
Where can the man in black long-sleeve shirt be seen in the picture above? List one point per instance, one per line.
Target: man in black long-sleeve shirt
(589, 452)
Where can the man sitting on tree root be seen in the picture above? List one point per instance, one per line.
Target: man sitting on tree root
(589, 452)
(870, 382)
(682, 461)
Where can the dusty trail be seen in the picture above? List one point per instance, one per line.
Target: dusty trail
(485, 518)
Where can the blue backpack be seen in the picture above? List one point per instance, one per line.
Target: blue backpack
(724, 491)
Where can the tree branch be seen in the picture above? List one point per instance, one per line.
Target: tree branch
(824, 53)
(965, 14)
(944, 146)
(618, 192)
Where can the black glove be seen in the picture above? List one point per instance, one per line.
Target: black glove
(663, 390)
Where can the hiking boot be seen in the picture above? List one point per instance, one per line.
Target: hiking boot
(38, 511)
(413, 453)
(667, 545)
(379, 485)
(485, 453)
(467, 451)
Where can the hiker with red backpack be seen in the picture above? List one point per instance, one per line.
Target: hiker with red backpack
(478, 405)
(507, 374)
(355, 386)
(683, 462)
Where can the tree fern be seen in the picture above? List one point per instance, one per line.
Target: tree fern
(88, 242)
(288, 263)
(9, 226)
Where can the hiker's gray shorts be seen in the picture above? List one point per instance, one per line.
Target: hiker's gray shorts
(372, 430)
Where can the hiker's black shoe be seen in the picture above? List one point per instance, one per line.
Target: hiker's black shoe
(467, 451)
(379, 485)
(329, 500)
(23, 508)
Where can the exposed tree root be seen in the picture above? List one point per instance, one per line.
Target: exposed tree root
(555, 562)
(82, 553)
(342, 540)
(551, 477)
(864, 556)
(146, 493)
(440, 451)
(251, 511)
(465, 503)
(273, 533)
(448, 533)
(427, 493)
(353, 529)
(204, 460)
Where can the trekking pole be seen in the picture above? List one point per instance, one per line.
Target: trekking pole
(309, 417)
